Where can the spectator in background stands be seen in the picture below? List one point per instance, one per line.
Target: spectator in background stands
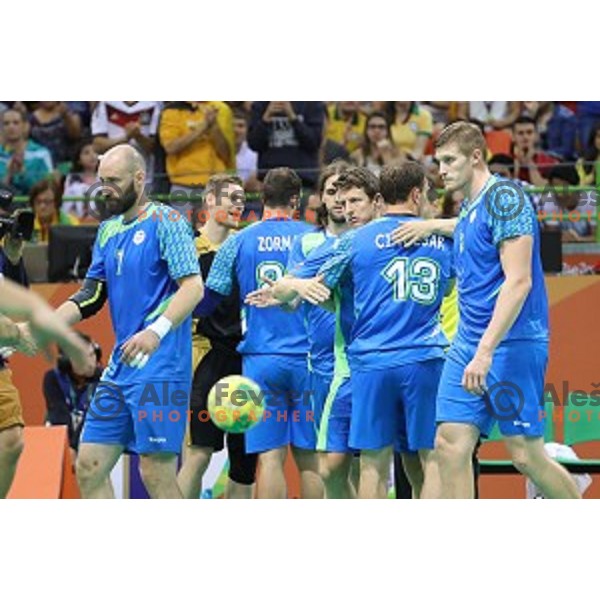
(246, 160)
(502, 165)
(83, 109)
(330, 150)
(127, 122)
(56, 127)
(68, 391)
(497, 114)
(440, 111)
(571, 212)
(288, 134)
(22, 162)
(588, 116)
(377, 149)
(198, 139)
(556, 126)
(346, 124)
(411, 127)
(587, 166)
(83, 174)
(531, 164)
(45, 201)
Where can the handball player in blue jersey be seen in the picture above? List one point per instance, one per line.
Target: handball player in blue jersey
(274, 345)
(144, 262)
(496, 365)
(396, 345)
(363, 203)
(328, 372)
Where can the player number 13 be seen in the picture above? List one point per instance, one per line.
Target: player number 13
(413, 279)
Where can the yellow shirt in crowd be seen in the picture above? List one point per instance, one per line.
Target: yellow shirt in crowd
(337, 129)
(404, 135)
(194, 165)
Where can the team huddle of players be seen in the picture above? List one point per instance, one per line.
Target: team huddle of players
(338, 324)
(368, 320)
(341, 327)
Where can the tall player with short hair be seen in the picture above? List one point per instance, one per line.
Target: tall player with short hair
(502, 339)
(274, 347)
(145, 264)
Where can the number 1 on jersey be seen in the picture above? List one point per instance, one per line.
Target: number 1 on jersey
(120, 254)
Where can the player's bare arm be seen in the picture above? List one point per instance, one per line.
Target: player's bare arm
(515, 257)
(413, 231)
(43, 324)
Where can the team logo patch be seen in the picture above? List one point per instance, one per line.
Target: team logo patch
(139, 237)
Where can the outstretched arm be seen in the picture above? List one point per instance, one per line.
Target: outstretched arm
(45, 326)
(411, 232)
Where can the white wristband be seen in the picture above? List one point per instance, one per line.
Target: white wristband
(161, 326)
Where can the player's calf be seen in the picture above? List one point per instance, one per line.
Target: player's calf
(530, 458)
(311, 484)
(374, 472)
(271, 478)
(411, 462)
(195, 463)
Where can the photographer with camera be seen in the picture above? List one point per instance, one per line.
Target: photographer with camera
(15, 228)
(68, 389)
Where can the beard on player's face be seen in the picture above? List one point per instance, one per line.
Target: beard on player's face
(336, 216)
(120, 204)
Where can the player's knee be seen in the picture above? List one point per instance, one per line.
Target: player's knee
(522, 460)
(272, 459)
(88, 470)
(152, 472)
(332, 469)
(450, 450)
(11, 444)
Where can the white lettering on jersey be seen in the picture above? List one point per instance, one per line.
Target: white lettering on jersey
(274, 243)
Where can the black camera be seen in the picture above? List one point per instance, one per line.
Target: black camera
(18, 224)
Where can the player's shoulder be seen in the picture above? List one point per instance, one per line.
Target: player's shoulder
(164, 218)
(506, 199)
(374, 227)
(250, 231)
(347, 238)
(109, 229)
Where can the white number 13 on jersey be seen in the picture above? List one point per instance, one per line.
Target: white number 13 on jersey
(416, 280)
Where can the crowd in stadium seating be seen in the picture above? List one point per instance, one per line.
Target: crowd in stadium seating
(538, 143)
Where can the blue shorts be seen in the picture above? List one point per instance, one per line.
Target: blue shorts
(395, 406)
(332, 399)
(289, 414)
(515, 384)
(145, 418)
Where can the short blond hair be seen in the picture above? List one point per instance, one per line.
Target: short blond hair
(467, 136)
